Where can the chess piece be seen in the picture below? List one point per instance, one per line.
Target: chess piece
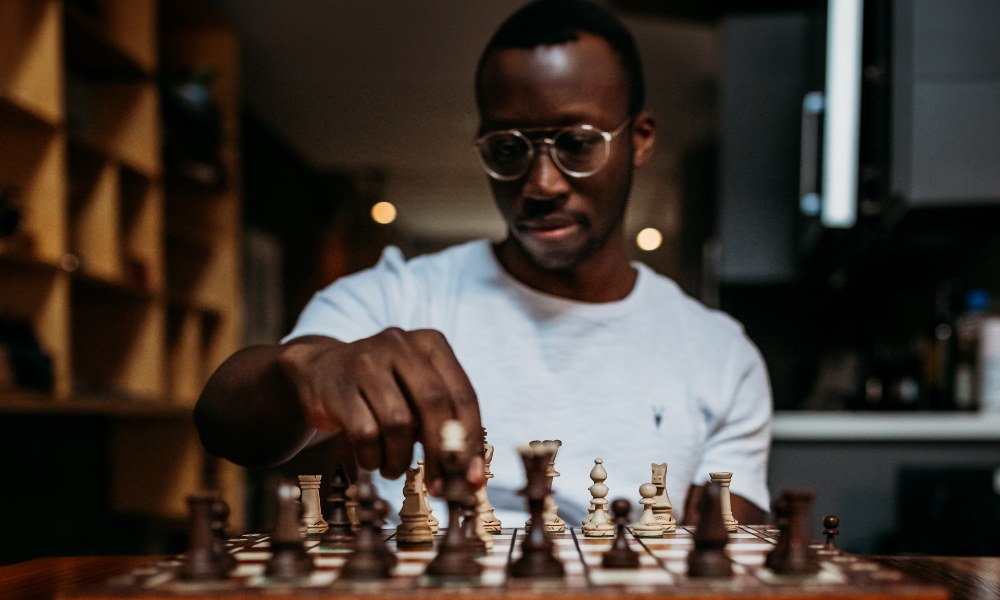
(537, 550)
(831, 528)
(433, 521)
(725, 479)
(413, 529)
(203, 562)
(288, 558)
(553, 522)
(472, 528)
(371, 558)
(792, 555)
(663, 510)
(600, 524)
(454, 557)
(486, 511)
(647, 526)
(621, 555)
(312, 511)
(339, 529)
(220, 515)
(708, 557)
(352, 506)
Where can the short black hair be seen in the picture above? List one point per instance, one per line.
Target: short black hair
(551, 22)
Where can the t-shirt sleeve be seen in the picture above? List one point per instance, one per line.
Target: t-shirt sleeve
(739, 439)
(358, 305)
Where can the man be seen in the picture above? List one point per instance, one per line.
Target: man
(550, 334)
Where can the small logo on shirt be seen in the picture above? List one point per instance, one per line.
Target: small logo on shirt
(658, 416)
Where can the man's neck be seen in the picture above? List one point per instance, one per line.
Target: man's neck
(605, 277)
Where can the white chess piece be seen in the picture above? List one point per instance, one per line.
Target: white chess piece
(486, 511)
(600, 525)
(663, 510)
(647, 526)
(413, 528)
(424, 503)
(312, 511)
(725, 480)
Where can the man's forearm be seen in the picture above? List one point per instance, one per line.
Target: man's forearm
(248, 412)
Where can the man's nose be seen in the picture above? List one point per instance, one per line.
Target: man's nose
(544, 177)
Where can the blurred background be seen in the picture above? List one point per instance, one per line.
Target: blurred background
(177, 179)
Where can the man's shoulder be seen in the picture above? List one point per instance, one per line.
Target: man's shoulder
(687, 309)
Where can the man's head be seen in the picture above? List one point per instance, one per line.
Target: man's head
(560, 95)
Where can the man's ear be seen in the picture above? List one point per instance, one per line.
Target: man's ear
(643, 138)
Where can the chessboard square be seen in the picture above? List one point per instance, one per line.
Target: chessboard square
(631, 578)
(745, 547)
(493, 560)
(493, 577)
(248, 569)
(408, 568)
(685, 541)
(326, 561)
(823, 577)
(753, 559)
(670, 553)
(250, 555)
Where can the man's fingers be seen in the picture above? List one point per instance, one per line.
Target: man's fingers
(363, 431)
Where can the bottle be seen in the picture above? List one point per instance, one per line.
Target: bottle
(967, 330)
(937, 351)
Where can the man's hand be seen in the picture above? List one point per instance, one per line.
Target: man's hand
(385, 393)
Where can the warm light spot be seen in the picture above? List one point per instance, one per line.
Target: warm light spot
(384, 212)
(649, 239)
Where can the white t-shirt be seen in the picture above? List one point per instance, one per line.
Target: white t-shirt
(653, 378)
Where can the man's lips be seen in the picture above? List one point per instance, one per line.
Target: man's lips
(547, 225)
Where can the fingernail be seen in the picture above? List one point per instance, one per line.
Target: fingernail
(434, 489)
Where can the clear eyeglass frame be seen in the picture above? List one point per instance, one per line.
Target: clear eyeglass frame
(548, 142)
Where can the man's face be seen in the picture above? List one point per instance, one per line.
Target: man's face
(559, 221)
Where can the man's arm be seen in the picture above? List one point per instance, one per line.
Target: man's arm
(744, 511)
(383, 393)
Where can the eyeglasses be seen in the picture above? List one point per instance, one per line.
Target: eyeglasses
(577, 150)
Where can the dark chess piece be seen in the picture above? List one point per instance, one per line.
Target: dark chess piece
(708, 557)
(538, 557)
(455, 558)
(621, 555)
(220, 516)
(792, 555)
(203, 560)
(469, 516)
(289, 559)
(339, 533)
(371, 558)
(831, 529)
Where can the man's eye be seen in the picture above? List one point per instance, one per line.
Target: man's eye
(507, 148)
(578, 143)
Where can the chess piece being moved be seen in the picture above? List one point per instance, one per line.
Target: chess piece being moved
(663, 510)
(647, 526)
(203, 560)
(708, 557)
(724, 479)
(413, 529)
(621, 555)
(454, 557)
(288, 553)
(339, 529)
(599, 524)
(312, 511)
(792, 555)
(537, 550)
(371, 558)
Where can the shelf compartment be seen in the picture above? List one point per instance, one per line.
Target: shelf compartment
(112, 38)
(142, 231)
(94, 222)
(31, 58)
(42, 300)
(32, 166)
(117, 341)
(118, 119)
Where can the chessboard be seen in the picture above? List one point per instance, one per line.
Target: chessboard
(662, 573)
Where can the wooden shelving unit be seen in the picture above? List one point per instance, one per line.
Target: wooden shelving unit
(127, 274)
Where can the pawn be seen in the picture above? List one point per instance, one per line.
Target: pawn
(792, 554)
(621, 555)
(831, 528)
(648, 526)
(708, 558)
(370, 557)
(203, 562)
(339, 531)
(289, 559)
